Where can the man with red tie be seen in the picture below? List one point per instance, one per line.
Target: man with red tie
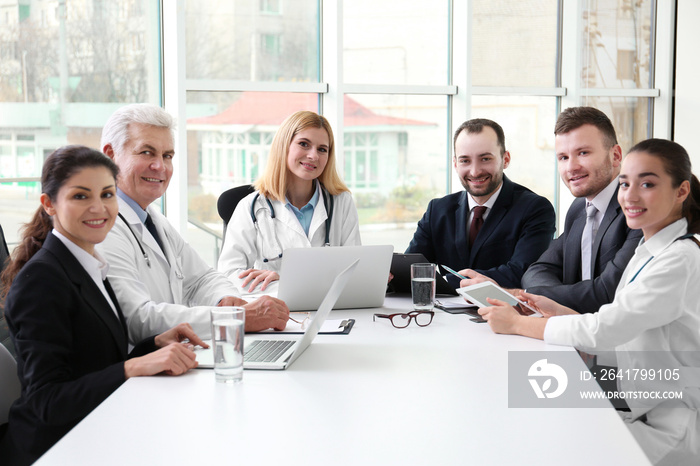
(495, 227)
(583, 266)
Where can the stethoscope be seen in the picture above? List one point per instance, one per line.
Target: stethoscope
(178, 274)
(143, 251)
(327, 202)
(686, 236)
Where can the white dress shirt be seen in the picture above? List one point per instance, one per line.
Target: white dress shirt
(95, 266)
(488, 204)
(653, 323)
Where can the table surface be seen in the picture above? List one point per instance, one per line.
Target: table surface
(380, 395)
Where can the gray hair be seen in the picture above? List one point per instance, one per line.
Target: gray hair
(116, 130)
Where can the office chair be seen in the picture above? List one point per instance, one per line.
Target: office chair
(10, 387)
(4, 252)
(228, 201)
(4, 332)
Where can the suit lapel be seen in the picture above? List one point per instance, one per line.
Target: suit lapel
(572, 258)
(611, 213)
(460, 233)
(113, 297)
(91, 294)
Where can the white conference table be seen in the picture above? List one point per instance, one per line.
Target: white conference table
(380, 395)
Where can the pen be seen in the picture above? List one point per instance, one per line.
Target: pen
(453, 272)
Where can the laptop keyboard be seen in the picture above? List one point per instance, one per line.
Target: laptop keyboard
(266, 350)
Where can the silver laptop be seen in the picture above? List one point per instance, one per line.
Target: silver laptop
(306, 274)
(264, 351)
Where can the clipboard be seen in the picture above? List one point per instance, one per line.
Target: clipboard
(329, 327)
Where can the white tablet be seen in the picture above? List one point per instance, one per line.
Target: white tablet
(478, 293)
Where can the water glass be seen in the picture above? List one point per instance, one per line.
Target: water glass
(423, 286)
(227, 332)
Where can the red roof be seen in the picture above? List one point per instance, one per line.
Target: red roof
(271, 108)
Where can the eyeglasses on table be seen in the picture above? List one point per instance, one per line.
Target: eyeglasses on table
(402, 319)
(302, 318)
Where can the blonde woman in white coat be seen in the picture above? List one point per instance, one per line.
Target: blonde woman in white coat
(300, 201)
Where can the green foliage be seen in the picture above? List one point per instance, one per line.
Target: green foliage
(405, 204)
(203, 208)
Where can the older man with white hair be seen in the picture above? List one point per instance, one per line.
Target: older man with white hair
(158, 278)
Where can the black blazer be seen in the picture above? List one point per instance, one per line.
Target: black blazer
(70, 348)
(557, 274)
(517, 230)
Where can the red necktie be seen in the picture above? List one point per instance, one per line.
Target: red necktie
(477, 222)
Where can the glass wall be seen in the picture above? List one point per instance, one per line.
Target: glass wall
(252, 40)
(396, 161)
(396, 42)
(528, 124)
(398, 77)
(515, 43)
(65, 67)
(617, 40)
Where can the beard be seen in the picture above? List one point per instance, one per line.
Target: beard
(598, 181)
(487, 189)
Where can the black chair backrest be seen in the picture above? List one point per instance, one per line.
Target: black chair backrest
(4, 252)
(4, 331)
(229, 200)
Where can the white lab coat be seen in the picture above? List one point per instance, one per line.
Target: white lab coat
(245, 247)
(653, 323)
(178, 287)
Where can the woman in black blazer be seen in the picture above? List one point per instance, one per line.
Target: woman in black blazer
(69, 333)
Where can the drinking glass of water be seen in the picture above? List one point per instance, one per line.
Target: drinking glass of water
(227, 331)
(423, 286)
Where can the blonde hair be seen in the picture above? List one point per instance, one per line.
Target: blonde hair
(273, 181)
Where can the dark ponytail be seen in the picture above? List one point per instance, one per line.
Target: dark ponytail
(691, 206)
(58, 168)
(677, 164)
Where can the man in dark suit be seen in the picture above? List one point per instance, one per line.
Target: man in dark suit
(495, 227)
(589, 163)
(589, 160)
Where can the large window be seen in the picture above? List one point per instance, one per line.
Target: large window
(399, 65)
(396, 42)
(252, 40)
(65, 67)
(394, 77)
(514, 43)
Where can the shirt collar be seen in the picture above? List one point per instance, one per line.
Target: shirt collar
(95, 265)
(602, 200)
(665, 237)
(312, 202)
(488, 204)
(140, 213)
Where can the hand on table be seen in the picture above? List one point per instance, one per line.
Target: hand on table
(258, 277)
(180, 333)
(173, 359)
(266, 312)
